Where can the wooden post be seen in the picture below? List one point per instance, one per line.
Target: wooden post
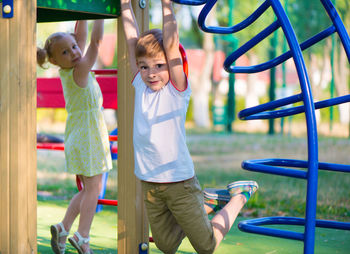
(18, 130)
(132, 223)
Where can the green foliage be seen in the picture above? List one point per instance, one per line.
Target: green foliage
(241, 11)
(191, 37)
(307, 17)
(189, 115)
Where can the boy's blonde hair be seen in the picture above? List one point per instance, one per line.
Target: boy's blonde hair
(150, 44)
(42, 54)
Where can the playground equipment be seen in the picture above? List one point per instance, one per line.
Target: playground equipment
(50, 95)
(284, 167)
(18, 123)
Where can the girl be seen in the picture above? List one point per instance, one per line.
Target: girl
(87, 149)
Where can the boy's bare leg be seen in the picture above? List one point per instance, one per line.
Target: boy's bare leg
(224, 219)
(208, 209)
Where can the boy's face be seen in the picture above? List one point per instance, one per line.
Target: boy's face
(154, 71)
(65, 52)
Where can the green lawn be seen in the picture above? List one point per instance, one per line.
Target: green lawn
(217, 159)
(104, 236)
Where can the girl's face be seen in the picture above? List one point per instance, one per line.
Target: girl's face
(154, 71)
(65, 52)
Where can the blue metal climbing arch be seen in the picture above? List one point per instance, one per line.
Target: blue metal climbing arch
(302, 169)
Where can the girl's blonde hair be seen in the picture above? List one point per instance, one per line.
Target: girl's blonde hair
(43, 54)
(150, 44)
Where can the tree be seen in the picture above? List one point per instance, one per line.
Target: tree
(311, 18)
(341, 63)
(258, 54)
(201, 82)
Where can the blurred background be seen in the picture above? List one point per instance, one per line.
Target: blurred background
(217, 95)
(217, 139)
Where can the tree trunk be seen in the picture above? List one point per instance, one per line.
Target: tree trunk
(341, 79)
(251, 96)
(201, 83)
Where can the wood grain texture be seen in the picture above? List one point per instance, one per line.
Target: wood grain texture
(18, 130)
(132, 223)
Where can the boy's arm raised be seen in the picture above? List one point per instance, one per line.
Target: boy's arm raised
(131, 32)
(171, 46)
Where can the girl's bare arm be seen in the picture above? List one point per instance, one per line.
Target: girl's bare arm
(81, 32)
(171, 46)
(83, 68)
(131, 32)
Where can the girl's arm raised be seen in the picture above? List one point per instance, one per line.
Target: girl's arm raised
(131, 31)
(81, 32)
(83, 68)
(171, 46)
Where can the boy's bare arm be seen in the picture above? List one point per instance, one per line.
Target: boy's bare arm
(81, 31)
(171, 46)
(131, 31)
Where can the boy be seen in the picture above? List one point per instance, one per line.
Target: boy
(172, 194)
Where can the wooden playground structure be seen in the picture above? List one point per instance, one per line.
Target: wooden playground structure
(18, 105)
(18, 95)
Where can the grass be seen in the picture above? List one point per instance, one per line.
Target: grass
(217, 159)
(104, 232)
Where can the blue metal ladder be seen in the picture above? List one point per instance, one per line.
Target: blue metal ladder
(307, 170)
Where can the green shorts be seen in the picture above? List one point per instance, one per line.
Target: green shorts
(176, 210)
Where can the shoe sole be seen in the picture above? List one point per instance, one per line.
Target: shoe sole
(242, 183)
(75, 245)
(54, 240)
(219, 194)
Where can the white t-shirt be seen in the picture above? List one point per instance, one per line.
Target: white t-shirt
(161, 153)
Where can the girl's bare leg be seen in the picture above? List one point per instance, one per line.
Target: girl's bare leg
(72, 212)
(89, 198)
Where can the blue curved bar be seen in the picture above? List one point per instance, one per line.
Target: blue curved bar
(254, 226)
(277, 60)
(337, 27)
(334, 167)
(270, 166)
(334, 16)
(312, 173)
(248, 45)
(303, 169)
(233, 29)
(269, 106)
(190, 2)
(287, 234)
(273, 166)
(256, 112)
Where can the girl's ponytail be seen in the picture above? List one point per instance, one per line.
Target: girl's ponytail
(41, 56)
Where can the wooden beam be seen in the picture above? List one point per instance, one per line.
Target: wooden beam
(18, 130)
(132, 223)
(4, 137)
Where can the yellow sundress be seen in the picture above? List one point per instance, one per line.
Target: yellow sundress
(86, 142)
